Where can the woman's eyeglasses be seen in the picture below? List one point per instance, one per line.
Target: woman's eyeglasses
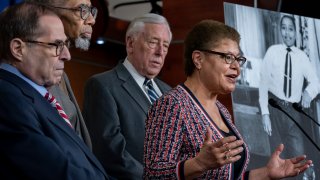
(229, 58)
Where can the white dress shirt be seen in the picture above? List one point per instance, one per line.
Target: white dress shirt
(272, 75)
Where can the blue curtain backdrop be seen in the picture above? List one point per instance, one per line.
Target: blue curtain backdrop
(5, 3)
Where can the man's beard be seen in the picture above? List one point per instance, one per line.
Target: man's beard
(82, 43)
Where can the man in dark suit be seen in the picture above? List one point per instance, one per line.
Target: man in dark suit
(78, 28)
(116, 102)
(36, 137)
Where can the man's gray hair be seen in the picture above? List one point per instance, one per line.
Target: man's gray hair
(137, 24)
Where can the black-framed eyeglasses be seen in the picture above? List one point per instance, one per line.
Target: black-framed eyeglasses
(58, 44)
(229, 58)
(85, 10)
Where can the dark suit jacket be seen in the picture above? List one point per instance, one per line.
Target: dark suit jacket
(36, 143)
(115, 110)
(64, 95)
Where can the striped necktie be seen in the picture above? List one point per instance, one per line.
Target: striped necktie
(52, 100)
(153, 96)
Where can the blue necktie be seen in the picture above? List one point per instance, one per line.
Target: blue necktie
(153, 96)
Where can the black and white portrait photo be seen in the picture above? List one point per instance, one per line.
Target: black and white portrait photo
(277, 95)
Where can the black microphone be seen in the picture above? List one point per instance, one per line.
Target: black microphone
(275, 104)
(298, 108)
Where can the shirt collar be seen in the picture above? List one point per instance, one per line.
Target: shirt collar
(7, 67)
(293, 48)
(134, 73)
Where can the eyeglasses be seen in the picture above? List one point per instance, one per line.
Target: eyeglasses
(154, 43)
(85, 11)
(229, 58)
(58, 44)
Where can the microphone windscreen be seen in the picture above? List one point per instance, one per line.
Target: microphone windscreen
(297, 107)
(274, 103)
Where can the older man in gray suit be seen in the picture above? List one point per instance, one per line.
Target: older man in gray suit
(116, 102)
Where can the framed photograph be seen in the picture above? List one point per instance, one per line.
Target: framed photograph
(282, 68)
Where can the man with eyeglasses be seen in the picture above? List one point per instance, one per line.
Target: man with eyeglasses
(78, 17)
(116, 102)
(37, 140)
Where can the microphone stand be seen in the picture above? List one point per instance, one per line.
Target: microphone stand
(298, 108)
(274, 104)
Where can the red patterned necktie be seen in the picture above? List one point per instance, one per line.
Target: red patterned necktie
(52, 100)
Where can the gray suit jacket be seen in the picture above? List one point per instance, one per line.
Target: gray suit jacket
(64, 95)
(115, 110)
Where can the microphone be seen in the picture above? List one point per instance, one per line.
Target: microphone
(275, 104)
(298, 108)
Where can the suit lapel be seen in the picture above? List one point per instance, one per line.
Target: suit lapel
(81, 125)
(57, 120)
(52, 115)
(132, 88)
